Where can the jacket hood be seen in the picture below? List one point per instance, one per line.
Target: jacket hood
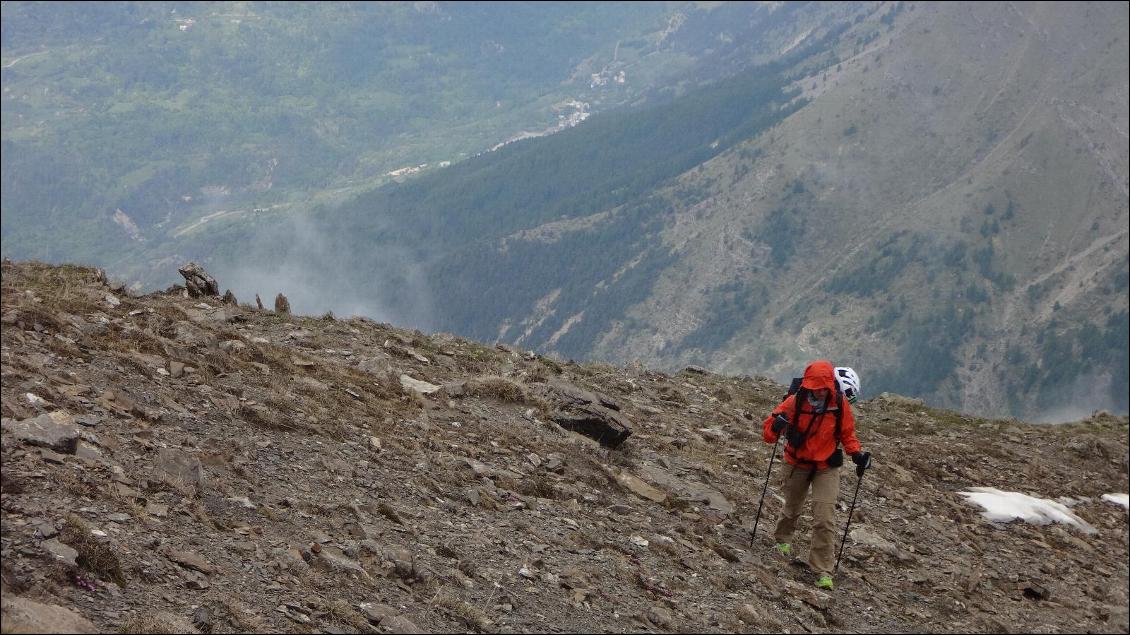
(819, 374)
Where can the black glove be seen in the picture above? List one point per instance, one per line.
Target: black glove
(779, 423)
(862, 462)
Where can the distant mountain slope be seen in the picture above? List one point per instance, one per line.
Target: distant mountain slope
(130, 127)
(962, 176)
(936, 194)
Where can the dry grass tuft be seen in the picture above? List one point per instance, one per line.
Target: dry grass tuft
(470, 614)
(94, 556)
(157, 622)
(540, 486)
(498, 388)
(341, 612)
(243, 618)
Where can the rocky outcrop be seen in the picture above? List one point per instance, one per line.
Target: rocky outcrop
(198, 282)
(589, 413)
(56, 431)
(282, 305)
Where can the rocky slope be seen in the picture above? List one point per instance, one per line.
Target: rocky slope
(175, 463)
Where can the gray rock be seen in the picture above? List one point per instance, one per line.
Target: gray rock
(660, 617)
(46, 529)
(375, 365)
(640, 488)
(21, 615)
(400, 624)
(232, 346)
(179, 469)
(334, 561)
(400, 560)
(190, 560)
(87, 451)
(88, 420)
(419, 386)
(198, 282)
(55, 430)
(554, 463)
(377, 613)
(605, 426)
(591, 414)
(696, 492)
(61, 551)
(158, 510)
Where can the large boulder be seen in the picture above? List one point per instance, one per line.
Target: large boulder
(21, 615)
(56, 431)
(198, 282)
(588, 413)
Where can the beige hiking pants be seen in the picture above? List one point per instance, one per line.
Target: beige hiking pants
(825, 489)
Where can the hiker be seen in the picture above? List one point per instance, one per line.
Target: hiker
(814, 422)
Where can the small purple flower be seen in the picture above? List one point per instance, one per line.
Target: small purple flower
(84, 582)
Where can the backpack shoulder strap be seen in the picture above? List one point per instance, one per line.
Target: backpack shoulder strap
(797, 399)
(839, 413)
(794, 387)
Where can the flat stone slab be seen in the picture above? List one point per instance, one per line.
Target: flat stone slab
(55, 430)
(21, 615)
(419, 386)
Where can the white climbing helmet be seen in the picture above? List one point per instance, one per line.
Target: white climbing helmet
(848, 382)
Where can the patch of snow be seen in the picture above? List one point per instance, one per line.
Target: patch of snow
(1118, 499)
(1002, 506)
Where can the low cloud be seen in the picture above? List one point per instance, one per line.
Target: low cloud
(312, 267)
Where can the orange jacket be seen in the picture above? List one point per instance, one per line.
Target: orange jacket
(819, 429)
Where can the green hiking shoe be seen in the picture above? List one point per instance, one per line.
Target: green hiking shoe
(784, 548)
(824, 582)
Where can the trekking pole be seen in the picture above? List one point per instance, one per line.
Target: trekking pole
(763, 490)
(859, 481)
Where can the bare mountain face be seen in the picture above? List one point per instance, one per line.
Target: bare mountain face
(948, 214)
(188, 464)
